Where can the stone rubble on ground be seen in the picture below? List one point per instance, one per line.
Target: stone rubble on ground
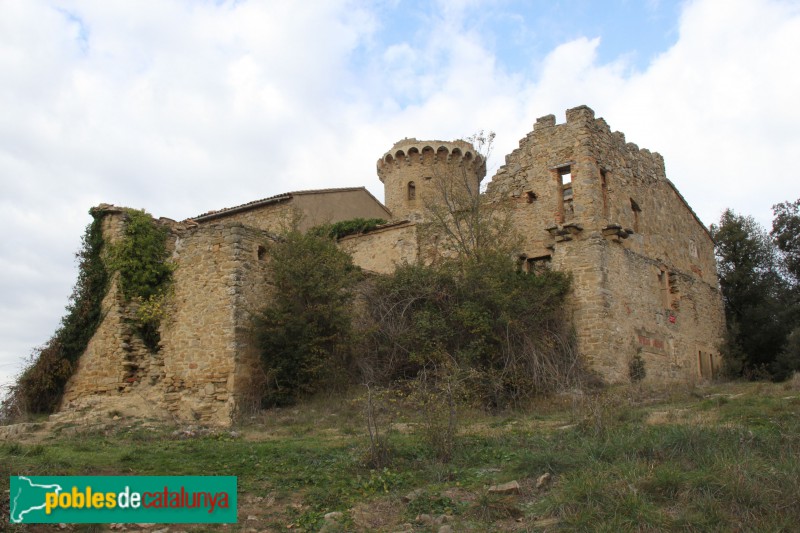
(512, 487)
(543, 480)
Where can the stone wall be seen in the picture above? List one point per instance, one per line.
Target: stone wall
(115, 358)
(583, 200)
(417, 173)
(382, 249)
(337, 205)
(252, 292)
(304, 208)
(207, 367)
(202, 338)
(644, 273)
(667, 325)
(273, 217)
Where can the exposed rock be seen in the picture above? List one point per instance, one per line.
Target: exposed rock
(442, 519)
(413, 495)
(512, 487)
(424, 519)
(543, 480)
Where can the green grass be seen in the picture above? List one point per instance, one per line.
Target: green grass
(729, 459)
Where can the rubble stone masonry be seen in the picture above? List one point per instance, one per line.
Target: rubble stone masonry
(643, 266)
(207, 365)
(583, 200)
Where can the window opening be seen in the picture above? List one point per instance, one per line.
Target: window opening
(604, 187)
(705, 361)
(636, 210)
(536, 265)
(565, 190)
(412, 191)
(663, 279)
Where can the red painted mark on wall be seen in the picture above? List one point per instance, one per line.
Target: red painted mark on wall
(657, 344)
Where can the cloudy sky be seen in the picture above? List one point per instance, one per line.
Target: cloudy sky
(182, 106)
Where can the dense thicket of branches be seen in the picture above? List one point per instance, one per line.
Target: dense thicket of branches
(759, 281)
(502, 329)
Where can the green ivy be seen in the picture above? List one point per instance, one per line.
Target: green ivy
(40, 386)
(354, 226)
(145, 272)
(141, 257)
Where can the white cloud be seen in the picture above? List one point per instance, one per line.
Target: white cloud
(718, 106)
(180, 107)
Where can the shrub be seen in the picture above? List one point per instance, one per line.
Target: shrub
(337, 230)
(485, 316)
(636, 369)
(305, 333)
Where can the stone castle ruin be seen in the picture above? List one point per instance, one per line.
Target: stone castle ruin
(582, 199)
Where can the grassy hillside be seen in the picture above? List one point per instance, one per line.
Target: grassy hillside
(715, 458)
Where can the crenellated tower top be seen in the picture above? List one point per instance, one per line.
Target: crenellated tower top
(412, 170)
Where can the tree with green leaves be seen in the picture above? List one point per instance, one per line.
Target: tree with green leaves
(305, 333)
(753, 291)
(786, 233)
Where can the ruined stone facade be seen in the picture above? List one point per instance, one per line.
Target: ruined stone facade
(207, 366)
(586, 202)
(582, 199)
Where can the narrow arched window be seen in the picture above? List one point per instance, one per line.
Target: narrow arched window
(412, 191)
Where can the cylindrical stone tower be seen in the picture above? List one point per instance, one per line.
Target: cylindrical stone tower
(414, 174)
